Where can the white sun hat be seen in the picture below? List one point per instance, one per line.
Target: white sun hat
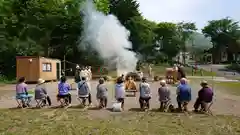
(162, 82)
(40, 81)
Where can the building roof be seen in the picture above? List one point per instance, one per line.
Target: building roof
(39, 57)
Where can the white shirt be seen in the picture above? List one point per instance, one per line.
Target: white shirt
(83, 73)
(89, 74)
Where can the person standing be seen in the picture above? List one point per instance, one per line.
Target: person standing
(102, 93)
(149, 70)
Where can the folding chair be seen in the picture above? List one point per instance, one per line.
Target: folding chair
(40, 102)
(20, 103)
(64, 101)
(207, 108)
(82, 100)
(23, 101)
(165, 106)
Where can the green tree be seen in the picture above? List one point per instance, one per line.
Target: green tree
(41, 27)
(124, 10)
(168, 39)
(185, 31)
(224, 34)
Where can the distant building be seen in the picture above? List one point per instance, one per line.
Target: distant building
(179, 57)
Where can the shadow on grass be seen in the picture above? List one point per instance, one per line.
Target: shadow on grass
(15, 108)
(136, 110)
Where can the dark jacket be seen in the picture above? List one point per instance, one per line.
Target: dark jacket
(205, 94)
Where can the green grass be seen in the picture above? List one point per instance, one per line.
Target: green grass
(161, 69)
(229, 87)
(78, 122)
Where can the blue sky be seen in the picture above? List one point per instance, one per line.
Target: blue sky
(198, 11)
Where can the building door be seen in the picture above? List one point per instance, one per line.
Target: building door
(58, 70)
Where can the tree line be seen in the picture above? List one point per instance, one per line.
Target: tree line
(52, 28)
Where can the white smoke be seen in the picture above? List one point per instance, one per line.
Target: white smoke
(109, 38)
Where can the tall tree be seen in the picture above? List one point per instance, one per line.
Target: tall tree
(168, 39)
(224, 34)
(124, 10)
(185, 31)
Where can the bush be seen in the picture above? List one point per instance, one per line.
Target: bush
(4, 79)
(234, 66)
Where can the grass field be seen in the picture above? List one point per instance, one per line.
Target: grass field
(78, 122)
(229, 87)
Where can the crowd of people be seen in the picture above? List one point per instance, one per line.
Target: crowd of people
(183, 92)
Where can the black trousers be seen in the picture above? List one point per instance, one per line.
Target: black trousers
(48, 100)
(67, 97)
(103, 102)
(198, 103)
(90, 98)
(145, 101)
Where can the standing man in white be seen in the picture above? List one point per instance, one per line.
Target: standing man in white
(89, 72)
(86, 74)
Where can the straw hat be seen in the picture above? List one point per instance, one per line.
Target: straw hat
(204, 83)
(163, 82)
(40, 81)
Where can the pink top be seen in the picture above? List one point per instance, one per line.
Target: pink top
(21, 88)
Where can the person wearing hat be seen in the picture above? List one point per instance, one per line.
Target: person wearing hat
(205, 96)
(102, 93)
(145, 94)
(41, 92)
(164, 95)
(184, 94)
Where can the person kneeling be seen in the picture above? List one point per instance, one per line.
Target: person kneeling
(63, 92)
(145, 94)
(102, 93)
(205, 96)
(164, 96)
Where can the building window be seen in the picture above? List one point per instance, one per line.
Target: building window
(47, 67)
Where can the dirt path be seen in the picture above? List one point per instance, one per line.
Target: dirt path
(223, 103)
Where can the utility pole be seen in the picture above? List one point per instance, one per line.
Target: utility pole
(64, 64)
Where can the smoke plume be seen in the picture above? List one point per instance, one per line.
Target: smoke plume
(109, 38)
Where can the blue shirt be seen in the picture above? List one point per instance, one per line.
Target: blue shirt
(63, 88)
(184, 93)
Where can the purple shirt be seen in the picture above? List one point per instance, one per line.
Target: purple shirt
(63, 88)
(205, 94)
(21, 88)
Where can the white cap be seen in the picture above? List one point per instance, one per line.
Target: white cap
(162, 82)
